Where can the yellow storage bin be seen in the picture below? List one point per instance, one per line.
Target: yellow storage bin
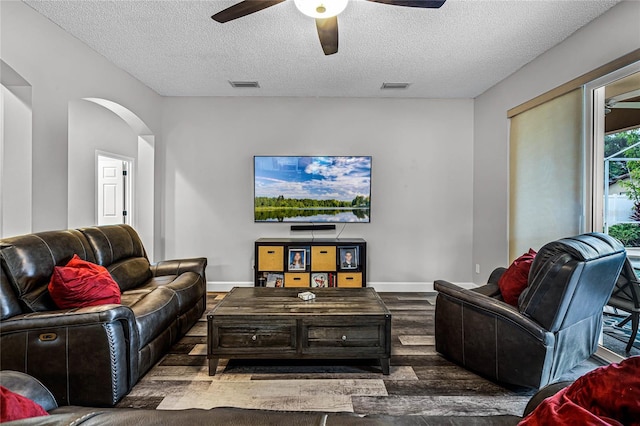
(271, 258)
(349, 279)
(323, 258)
(296, 279)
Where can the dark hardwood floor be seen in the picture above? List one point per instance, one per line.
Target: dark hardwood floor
(421, 381)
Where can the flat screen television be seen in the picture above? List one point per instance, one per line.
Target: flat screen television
(310, 189)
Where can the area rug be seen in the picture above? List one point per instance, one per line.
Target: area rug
(420, 381)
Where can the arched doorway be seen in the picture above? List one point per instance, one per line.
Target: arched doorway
(96, 126)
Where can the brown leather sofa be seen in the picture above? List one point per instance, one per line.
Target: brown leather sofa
(31, 388)
(93, 355)
(555, 326)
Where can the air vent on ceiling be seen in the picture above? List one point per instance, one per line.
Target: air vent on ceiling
(395, 85)
(244, 84)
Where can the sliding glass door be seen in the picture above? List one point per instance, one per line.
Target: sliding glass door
(612, 129)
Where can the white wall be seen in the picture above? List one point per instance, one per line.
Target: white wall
(15, 160)
(609, 37)
(421, 184)
(444, 162)
(60, 70)
(92, 127)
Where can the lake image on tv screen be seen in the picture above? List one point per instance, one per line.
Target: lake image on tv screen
(312, 189)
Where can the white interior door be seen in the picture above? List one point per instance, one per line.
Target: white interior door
(111, 191)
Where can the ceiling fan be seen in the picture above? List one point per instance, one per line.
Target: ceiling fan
(324, 11)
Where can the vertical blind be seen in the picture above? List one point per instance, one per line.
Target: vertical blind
(546, 173)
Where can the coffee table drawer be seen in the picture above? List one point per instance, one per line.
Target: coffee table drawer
(264, 337)
(322, 336)
(364, 337)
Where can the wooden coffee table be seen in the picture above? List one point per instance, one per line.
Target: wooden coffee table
(273, 323)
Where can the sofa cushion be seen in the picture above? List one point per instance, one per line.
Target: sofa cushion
(113, 243)
(14, 406)
(131, 272)
(606, 395)
(80, 283)
(29, 261)
(514, 280)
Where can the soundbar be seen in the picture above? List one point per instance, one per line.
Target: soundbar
(312, 227)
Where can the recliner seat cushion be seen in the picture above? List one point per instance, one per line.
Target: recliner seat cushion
(187, 286)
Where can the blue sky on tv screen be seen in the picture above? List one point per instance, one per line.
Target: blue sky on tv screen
(320, 178)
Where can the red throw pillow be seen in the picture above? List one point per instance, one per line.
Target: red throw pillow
(515, 278)
(608, 395)
(81, 283)
(14, 406)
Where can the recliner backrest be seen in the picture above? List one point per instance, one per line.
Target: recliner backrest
(112, 243)
(28, 261)
(571, 279)
(119, 249)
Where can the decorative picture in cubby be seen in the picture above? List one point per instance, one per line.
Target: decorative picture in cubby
(348, 258)
(275, 280)
(319, 279)
(297, 259)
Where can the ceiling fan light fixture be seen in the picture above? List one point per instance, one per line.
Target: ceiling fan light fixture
(321, 8)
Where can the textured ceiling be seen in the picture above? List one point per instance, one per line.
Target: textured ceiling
(457, 51)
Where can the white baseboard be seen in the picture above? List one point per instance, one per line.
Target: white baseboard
(401, 287)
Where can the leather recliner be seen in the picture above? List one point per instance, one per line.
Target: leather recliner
(93, 355)
(555, 326)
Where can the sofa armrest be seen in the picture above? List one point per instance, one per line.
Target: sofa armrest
(29, 387)
(68, 317)
(493, 307)
(179, 266)
(491, 338)
(495, 275)
(491, 290)
(84, 356)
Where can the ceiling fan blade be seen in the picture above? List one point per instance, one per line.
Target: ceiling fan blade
(328, 34)
(243, 8)
(431, 4)
(626, 105)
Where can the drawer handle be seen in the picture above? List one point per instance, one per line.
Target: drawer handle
(349, 278)
(271, 252)
(48, 337)
(297, 278)
(254, 337)
(344, 338)
(323, 252)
